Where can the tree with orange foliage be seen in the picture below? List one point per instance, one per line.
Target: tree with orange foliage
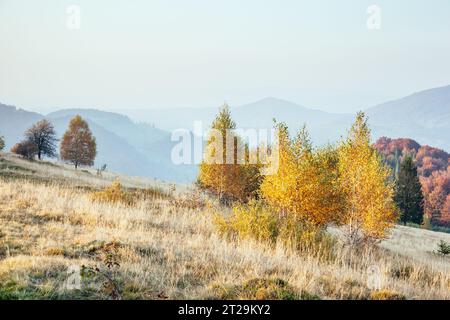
(431, 159)
(436, 189)
(26, 149)
(365, 180)
(78, 146)
(445, 213)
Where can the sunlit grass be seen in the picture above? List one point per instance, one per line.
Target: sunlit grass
(169, 247)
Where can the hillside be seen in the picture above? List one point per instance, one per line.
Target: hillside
(259, 114)
(164, 245)
(323, 126)
(423, 116)
(138, 135)
(125, 146)
(145, 150)
(433, 167)
(14, 122)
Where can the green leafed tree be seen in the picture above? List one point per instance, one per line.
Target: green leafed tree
(408, 194)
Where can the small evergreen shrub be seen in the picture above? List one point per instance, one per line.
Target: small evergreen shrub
(443, 248)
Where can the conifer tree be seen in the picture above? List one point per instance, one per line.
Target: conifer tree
(408, 195)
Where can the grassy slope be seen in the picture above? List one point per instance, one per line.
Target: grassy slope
(168, 248)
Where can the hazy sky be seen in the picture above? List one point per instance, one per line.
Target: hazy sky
(199, 53)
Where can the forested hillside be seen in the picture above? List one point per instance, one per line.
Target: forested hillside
(433, 166)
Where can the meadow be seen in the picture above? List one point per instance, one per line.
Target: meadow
(158, 241)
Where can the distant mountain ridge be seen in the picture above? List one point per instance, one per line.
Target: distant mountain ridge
(14, 121)
(136, 149)
(423, 116)
(259, 114)
(429, 108)
(148, 149)
(141, 148)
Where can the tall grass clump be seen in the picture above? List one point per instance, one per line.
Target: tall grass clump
(113, 194)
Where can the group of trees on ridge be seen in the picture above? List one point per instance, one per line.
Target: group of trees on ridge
(348, 184)
(78, 146)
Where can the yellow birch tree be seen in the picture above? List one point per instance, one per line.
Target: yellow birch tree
(306, 183)
(365, 180)
(221, 172)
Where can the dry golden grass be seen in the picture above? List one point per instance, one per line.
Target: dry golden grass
(14, 166)
(171, 249)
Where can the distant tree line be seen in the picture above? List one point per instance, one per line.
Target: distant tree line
(78, 146)
(433, 171)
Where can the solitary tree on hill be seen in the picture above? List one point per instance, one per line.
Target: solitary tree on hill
(78, 146)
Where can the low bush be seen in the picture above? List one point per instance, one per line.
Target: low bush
(113, 194)
(385, 294)
(440, 229)
(258, 221)
(253, 220)
(262, 289)
(190, 200)
(402, 272)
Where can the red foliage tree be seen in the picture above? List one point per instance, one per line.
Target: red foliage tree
(431, 159)
(436, 188)
(388, 146)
